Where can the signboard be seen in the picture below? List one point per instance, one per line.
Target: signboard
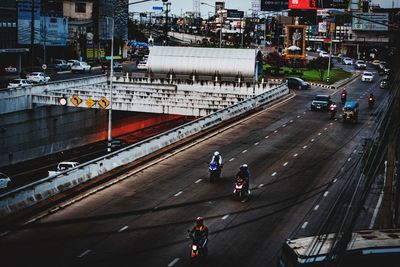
(342, 4)
(24, 21)
(160, 8)
(295, 41)
(367, 21)
(274, 5)
(90, 102)
(105, 26)
(76, 100)
(303, 4)
(54, 31)
(103, 102)
(233, 13)
(322, 27)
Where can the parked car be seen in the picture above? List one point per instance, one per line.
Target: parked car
(347, 61)
(81, 67)
(142, 65)
(63, 166)
(4, 180)
(19, 83)
(324, 54)
(297, 83)
(60, 65)
(38, 77)
(367, 77)
(321, 102)
(72, 62)
(360, 65)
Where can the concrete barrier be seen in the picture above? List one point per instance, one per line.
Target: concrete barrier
(31, 194)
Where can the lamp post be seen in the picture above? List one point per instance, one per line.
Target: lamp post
(167, 9)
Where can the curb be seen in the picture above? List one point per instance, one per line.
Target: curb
(338, 84)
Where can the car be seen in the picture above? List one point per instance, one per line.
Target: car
(63, 166)
(297, 83)
(321, 102)
(71, 62)
(347, 61)
(384, 84)
(309, 48)
(19, 83)
(367, 77)
(60, 65)
(142, 65)
(360, 65)
(318, 50)
(324, 54)
(383, 68)
(4, 180)
(38, 77)
(81, 66)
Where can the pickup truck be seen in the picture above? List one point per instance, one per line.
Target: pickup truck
(62, 166)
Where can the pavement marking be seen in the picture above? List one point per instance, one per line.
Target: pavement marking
(335, 180)
(273, 174)
(4, 233)
(261, 185)
(286, 163)
(331, 123)
(198, 181)
(316, 207)
(267, 137)
(177, 194)
(349, 159)
(377, 207)
(244, 200)
(232, 159)
(335, 119)
(298, 116)
(312, 140)
(319, 133)
(244, 151)
(304, 147)
(123, 229)
(304, 112)
(325, 129)
(291, 121)
(275, 131)
(256, 143)
(304, 225)
(172, 263)
(84, 253)
(342, 169)
(326, 193)
(295, 155)
(283, 126)
(355, 151)
(226, 216)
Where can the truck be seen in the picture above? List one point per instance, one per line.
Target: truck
(62, 166)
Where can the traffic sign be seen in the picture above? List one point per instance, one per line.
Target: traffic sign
(157, 8)
(76, 100)
(90, 102)
(103, 102)
(63, 101)
(44, 66)
(115, 57)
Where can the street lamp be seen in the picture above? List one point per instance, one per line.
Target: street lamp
(167, 6)
(221, 12)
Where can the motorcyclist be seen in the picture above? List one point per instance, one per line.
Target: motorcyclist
(244, 173)
(371, 99)
(199, 232)
(333, 109)
(343, 96)
(217, 159)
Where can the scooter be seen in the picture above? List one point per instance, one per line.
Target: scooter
(343, 98)
(240, 189)
(215, 171)
(197, 250)
(332, 112)
(371, 102)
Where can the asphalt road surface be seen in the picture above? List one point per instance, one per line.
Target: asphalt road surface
(294, 156)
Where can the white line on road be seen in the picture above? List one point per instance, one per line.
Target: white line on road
(304, 147)
(325, 129)
(122, 229)
(286, 163)
(355, 151)
(312, 140)
(273, 174)
(244, 151)
(326, 193)
(177, 194)
(283, 126)
(232, 159)
(304, 112)
(275, 131)
(84, 253)
(172, 263)
(267, 137)
(291, 121)
(244, 200)
(304, 225)
(298, 116)
(319, 133)
(261, 185)
(295, 155)
(256, 144)
(226, 216)
(348, 159)
(316, 207)
(331, 123)
(335, 180)
(198, 181)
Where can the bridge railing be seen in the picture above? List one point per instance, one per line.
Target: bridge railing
(33, 193)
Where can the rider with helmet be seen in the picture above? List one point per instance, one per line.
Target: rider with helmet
(199, 232)
(343, 96)
(333, 109)
(216, 158)
(244, 173)
(371, 100)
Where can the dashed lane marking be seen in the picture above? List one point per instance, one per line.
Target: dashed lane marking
(298, 116)
(304, 225)
(122, 229)
(312, 140)
(326, 193)
(283, 126)
(267, 137)
(226, 216)
(295, 155)
(232, 159)
(84, 253)
(275, 131)
(316, 207)
(244, 151)
(291, 121)
(325, 129)
(172, 263)
(273, 174)
(286, 163)
(256, 144)
(261, 185)
(177, 194)
(304, 147)
(319, 133)
(335, 180)
(348, 159)
(198, 181)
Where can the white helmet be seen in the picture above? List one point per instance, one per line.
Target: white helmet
(216, 153)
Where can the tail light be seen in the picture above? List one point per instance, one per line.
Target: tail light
(194, 247)
(370, 99)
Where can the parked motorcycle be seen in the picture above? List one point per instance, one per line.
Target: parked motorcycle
(215, 171)
(240, 191)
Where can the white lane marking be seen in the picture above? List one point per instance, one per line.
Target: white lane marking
(232, 159)
(348, 159)
(304, 147)
(4, 233)
(319, 133)
(198, 181)
(304, 112)
(275, 131)
(267, 137)
(283, 126)
(335, 119)
(244, 151)
(286, 163)
(256, 143)
(335, 180)
(226, 216)
(123, 229)
(355, 151)
(177, 194)
(377, 207)
(331, 123)
(304, 225)
(326, 193)
(172, 263)
(273, 174)
(84, 253)
(298, 116)
(261, 185)
(325, 129)
(291, 121)
(295, 155)
(316, 207)
(244, 200)
(312, 140)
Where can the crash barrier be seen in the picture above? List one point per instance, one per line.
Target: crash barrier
(17, 99)
(33, 193)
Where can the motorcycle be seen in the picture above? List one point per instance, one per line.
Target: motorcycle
(332, 112)
(215, 171)
(197, 251)
(371, 101)
(240, 189)
(343, 98)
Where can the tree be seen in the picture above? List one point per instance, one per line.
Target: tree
(320, 64)
(276, 61)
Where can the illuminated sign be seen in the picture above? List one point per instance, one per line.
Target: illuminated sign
(303, 4)
(295, 41)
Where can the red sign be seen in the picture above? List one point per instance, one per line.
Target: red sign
(302, 4)
(327, 40)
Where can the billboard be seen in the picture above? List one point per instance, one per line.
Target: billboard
(367, 21)
(296, 41)
(274, 5)
(24, 21)
(55, 31)
(303, 4)
(342, 4)
(234, 13)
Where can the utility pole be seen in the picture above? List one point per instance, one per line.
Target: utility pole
(33, 33)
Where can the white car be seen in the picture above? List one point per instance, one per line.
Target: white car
(323, 54)
(19, 83)
(72, 62)
(361, 65)
(309, 48)
(4, 180)
(367, 76)
(38, 77)
(143, 65)
(81, 66)
(347, 61)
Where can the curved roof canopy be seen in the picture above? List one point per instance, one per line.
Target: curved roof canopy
(203, 61)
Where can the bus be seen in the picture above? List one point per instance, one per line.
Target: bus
(367, 248)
